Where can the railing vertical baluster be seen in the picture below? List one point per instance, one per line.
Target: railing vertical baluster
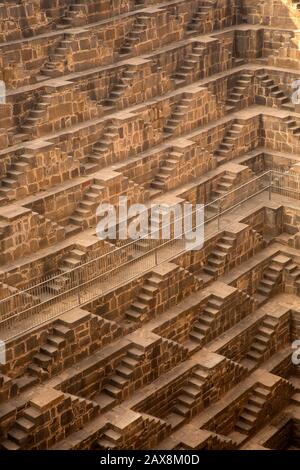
(74, 285)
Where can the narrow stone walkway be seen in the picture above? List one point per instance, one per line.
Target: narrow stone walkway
(110, 281)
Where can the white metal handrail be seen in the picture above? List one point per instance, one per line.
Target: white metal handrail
(44, 310)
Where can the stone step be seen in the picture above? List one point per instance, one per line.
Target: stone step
(252, 409)
(139, 306)
(181, 409)
(191, 390)
(135, 354)
(8, 444)
(62, 331)
(105, 401)
(144, 297)
(129, 362)
(198, 337)
(197, 382)
(247, 417)
(206, 319)
(35, 370)
(243, 427)
(124, 370)
(256, 346)
(212, 270)
(262, 339)
(270, 323)
(267, 283)
(133, 315)
(18, 436)
(174, 419)
(118, 381)
(200, 328)
(185, 399)
(264, 290)
(150, 289)
(265, 331)
(254, 355)
(24, 424)
(261, 392)
(26, 381)
(57, 341)
(106, 444)
(211, 311)
(112, 390)
(49, 350)
(33, 415)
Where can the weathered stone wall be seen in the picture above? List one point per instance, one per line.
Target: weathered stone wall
(21, 20)
(279, 393)
(160, 403)
(277, 135)
(272, 13)
(41, 169)
(24, 231)
(62, 109)
(82, 333)
(237, 348)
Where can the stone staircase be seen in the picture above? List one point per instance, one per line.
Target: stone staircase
(109, 440)
(12, 300)
(14, 179)
(85, 215)
(225, 184)
(200, 332)
(187, 398)
(178, 115)
(145, 299)
(294, 272)
(260, 342)
(102, 151)
(36, 114)
(57, 338)
(292, 126)
(217, 259)
(153, 427)
(72, 260)
(224, 152)
(253, 409)
(203, 12)
(274, 91)
(119, 89)
(270, 281)
(75, 15)
(239, 91)
(19, 434)
(121, 377)
(174, 348)
(159, 184)
(258, 237)
(46, 225)
(245, 297)
(31, 419)
(186, 71)
(55, 66)
(133, 38)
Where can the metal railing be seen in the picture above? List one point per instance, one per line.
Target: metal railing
(96, 278)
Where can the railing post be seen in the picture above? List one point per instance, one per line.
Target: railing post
(78, 289)
(270, 185)
(156, 257)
